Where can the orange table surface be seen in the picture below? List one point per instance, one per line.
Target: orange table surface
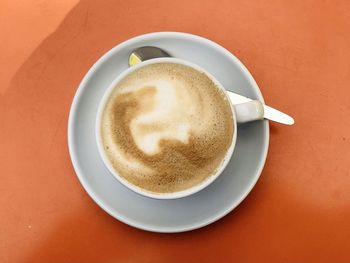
(299, 54)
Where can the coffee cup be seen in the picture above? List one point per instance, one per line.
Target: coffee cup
(244, 112)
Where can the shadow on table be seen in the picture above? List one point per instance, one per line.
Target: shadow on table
(44, 87)
(97, 237)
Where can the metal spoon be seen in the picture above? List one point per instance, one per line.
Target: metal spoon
(148, 52)
(145, 53)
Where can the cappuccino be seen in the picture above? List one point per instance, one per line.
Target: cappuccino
(166, 127)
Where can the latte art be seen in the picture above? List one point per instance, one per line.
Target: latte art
(166, 127)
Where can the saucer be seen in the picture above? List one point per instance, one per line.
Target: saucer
(178, 215)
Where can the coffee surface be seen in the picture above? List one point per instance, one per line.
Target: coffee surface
(166, 127)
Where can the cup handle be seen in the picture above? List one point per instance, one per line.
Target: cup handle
(249, 111)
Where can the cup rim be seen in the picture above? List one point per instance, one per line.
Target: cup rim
(172, 195)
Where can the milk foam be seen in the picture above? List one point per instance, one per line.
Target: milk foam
(165, 115)
(166, 127)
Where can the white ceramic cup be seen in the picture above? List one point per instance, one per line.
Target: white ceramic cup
(244, 112)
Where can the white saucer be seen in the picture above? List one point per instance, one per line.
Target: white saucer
(183, 214)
